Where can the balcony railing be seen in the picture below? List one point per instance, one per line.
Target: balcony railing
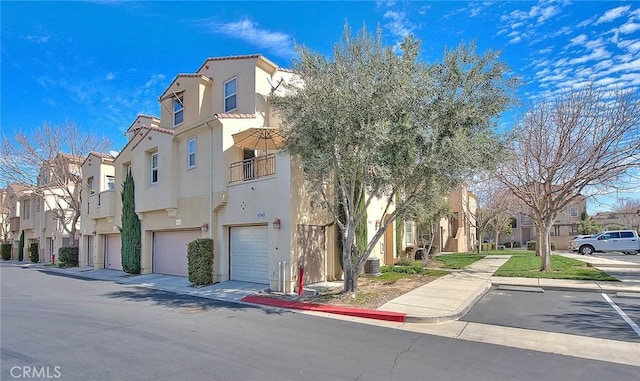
(102, 204)
(253, 168)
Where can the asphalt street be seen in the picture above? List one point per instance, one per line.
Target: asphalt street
(578, 313)
(94, 330)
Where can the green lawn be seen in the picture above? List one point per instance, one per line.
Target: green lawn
(525, 264)
(458, 261)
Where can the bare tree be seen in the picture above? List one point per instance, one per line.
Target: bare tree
(584, 140)
(629, 211)
(48, 160)
(495, 207)
(5, 225)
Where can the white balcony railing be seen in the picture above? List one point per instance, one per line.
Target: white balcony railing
(103, 204)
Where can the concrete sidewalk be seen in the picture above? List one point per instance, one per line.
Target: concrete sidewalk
(449, 297)
(231, 291)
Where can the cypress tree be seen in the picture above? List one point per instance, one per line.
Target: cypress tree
(130, 230)
(21, 247)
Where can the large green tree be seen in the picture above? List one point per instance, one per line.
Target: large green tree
(130, 230)
(377, 124)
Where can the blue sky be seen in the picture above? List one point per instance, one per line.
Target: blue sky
(101, 63)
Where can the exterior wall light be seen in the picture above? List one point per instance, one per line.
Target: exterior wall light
(276, 223)
(205, 227)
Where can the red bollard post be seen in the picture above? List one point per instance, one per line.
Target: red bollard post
(300, 280)
(53, 258)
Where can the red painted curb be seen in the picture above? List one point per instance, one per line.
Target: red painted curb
(359, 312)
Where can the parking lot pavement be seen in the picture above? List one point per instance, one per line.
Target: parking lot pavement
(607, 316)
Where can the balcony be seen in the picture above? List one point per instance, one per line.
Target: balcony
(253, 168)
(103, 204)
(14, 224)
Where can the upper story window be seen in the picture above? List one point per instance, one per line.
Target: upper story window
(178, 110)
(90, 185)
(26, 206)
(154, 168)
(230, 93)
(573, 211)
(111, 182)
(191, 153)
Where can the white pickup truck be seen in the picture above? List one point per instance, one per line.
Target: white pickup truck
(625, 241)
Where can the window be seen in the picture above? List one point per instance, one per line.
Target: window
(154, 168)
(408, 232)
(230, 91)
(178, 110)
(26, 209)
(191, 153)
(627, 235)
(90, 185)
(573, 211)
(111, 182)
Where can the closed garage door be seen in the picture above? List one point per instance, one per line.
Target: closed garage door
(249, 254)
(113, 257)
(170, 251)
(89, 250)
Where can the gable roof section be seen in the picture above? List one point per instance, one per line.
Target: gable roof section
(166, 94)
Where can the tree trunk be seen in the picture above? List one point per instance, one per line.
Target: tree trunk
(543, 247)
(497, 239)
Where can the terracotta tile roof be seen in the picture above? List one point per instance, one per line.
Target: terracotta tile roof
(101, 155)
(230, 115)
(154, 128)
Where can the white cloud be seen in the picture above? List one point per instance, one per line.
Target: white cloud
(613, 14)
(515, 40)
(629, 27)
(276, 42)
(153, 80)
(110, 77)
(579, 40)
(38, 39)
(398, 24)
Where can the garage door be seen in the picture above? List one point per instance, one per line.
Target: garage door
(113, 257)
(249, 254)
(170, 251)
(89, 250)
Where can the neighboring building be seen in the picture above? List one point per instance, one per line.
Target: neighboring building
(618, 220)
(5, 221)
(98, 205)
(457, 232)
(564, 228)
(14, 193)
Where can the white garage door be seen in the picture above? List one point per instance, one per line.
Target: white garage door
(89, 250)
(113, 256)
(170, 251)
(249, 254)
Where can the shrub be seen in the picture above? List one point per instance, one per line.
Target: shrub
(5, 248)
(68, 256)
(404, 261)
(531, 245)
(488, 246)
(200, 258)
(411, 268)
(34, 255)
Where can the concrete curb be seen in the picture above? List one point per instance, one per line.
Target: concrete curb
(339, 310)
(458, 312)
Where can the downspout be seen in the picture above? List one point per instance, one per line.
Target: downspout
(212, 214)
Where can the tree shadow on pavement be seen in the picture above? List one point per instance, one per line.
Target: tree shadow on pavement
(190, 304)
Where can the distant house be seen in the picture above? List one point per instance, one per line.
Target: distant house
(618, 220)
(564, 228)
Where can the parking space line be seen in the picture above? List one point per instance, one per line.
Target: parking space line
(620, 312)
